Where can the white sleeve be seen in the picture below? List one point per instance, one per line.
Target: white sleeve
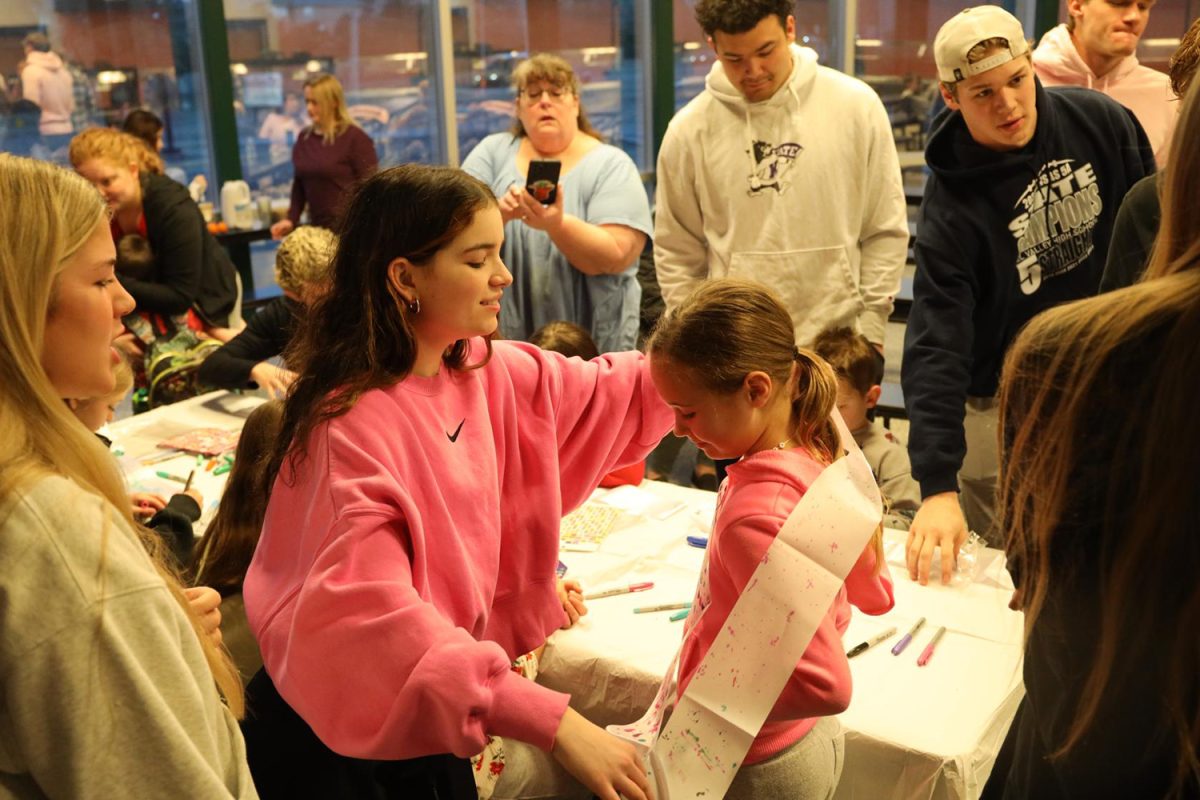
(883, 234)
(680, 250)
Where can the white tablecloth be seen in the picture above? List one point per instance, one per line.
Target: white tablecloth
(911, 732)
(135, 439)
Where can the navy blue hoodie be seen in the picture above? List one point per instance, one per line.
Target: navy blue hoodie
(1001, 237)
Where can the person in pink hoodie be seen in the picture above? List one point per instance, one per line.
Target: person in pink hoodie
(1095, 48)
(409, 548)
(46, 81)
(751, 394)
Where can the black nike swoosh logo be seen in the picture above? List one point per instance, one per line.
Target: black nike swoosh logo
(454, 438)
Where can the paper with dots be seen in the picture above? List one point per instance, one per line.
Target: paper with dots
(698, 752)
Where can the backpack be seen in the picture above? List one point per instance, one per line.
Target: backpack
(173, 366)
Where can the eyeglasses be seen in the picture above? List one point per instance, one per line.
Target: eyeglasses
(533, 95)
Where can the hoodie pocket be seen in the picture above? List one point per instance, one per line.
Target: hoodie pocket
(817, 286)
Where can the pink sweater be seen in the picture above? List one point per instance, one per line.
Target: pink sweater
(1144, 91)
(755, 501)
(413, 556)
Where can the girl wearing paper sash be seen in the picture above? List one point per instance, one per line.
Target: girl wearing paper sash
(726, 362)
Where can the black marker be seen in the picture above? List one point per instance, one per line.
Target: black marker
(858, 649)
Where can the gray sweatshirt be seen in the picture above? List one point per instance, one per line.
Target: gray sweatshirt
(888, 458)
(106, 692)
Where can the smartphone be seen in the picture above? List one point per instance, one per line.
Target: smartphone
(542, 180)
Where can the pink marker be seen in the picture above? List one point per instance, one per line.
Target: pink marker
(633, 587)
(927, 653)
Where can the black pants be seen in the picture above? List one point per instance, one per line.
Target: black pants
(288, 761)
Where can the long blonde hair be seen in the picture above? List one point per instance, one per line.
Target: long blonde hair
(116, 147)
(331, 102)
(1063, 371)
(47, 214)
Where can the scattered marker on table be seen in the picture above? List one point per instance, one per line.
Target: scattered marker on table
(678, 615)
(663, 607)
(927, 653)
(862, 647)
(633, 587)
(904, 640)
(698, 541)
(168, 476)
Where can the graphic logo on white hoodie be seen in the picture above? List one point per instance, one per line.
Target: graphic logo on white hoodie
(1058, 212)
(771, 166)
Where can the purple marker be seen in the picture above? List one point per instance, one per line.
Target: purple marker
(903, 643)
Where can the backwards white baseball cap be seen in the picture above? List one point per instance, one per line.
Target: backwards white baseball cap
(968, 28)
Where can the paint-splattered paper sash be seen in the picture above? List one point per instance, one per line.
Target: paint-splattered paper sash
(741, 676)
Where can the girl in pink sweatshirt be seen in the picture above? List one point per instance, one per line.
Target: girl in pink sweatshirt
(749, 393)
(409, 548)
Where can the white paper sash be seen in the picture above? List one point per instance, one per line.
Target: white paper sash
(741, 676)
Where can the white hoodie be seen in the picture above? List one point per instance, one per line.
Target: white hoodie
(800, 192)
(47, 82)
(1144, 91)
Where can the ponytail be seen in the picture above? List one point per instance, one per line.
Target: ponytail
(814, 399)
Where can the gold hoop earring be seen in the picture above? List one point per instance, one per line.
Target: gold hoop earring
(415, 306)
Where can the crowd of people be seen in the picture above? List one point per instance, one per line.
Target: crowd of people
(454, 366)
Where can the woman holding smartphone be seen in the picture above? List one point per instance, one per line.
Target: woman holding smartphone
(574, 257)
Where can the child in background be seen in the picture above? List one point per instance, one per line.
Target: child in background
(749, 394)
(302, 272)
(172, 520)
(859, 369)
(571, 340)
(232, 535)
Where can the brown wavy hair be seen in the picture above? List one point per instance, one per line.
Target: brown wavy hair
(233, 533)
(358, 336)
(1141, 496)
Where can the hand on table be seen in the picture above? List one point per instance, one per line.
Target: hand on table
(570, 594)
(272, 379)
(146, 505)
(281, 229)
(206, 603)
(938, 523)
(611, 768)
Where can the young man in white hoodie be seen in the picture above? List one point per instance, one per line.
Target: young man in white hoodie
(784, 172)
(46, 81)
(1095, 48)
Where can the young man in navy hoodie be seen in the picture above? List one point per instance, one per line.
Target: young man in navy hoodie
(1016, 218)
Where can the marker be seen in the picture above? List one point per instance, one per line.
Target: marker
(161, 457)
(168, 476)
(221, 470)
(188, 483)
(927, 653)
(874, 640)
(663, 607)
(633, 587)
(698, 541)
(678, 615)
(903, 643)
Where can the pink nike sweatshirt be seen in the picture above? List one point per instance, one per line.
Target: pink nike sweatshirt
(412, 557)
(1144, 91)
(755, 500)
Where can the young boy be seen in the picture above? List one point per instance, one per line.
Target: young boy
(302, 271)
(859, 369)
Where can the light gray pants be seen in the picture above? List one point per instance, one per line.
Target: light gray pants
(979, 476)
(808, 770)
